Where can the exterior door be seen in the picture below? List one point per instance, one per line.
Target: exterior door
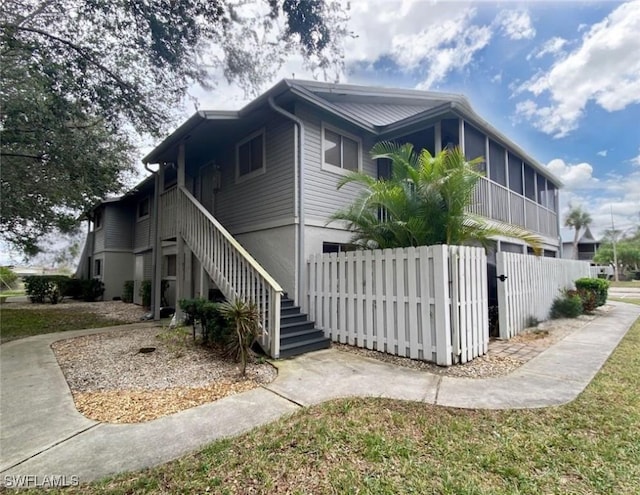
(206, 186)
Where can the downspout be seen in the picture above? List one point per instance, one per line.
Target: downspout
(300, 159)
(155, 296)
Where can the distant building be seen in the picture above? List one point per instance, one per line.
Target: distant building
(587, 244)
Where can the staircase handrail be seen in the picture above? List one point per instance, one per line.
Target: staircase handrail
(236, 245)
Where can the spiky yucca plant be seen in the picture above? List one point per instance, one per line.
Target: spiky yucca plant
(425, 202)
(244, 319)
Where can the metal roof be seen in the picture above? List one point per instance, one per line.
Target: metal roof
(376, 110)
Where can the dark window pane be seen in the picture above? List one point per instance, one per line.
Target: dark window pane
(474, 145)
(497, 169)
(332, 148)
(529, 182)
(551, 196)
(256, 153)
(450, 133)
(542, 190)
(244, 159)
(349, 154)
(515, 174)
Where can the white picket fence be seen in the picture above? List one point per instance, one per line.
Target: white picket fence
(600, 270)
(427, 303)
(531, 285)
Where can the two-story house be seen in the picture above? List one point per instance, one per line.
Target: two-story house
(241, 199)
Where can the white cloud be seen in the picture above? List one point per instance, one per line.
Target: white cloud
(443, 47)
(601, 197)
(516, 24)
(552, 46)
(604, 69)
(636, 160)
(573, 176)
(602, 153)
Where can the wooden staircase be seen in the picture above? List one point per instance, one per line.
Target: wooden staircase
(238, 275)
(297, 334)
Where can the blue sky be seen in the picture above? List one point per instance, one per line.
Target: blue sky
(562, 79)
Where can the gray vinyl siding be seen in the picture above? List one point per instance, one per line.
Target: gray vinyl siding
(119, 226)
(143, 236)
(148, 265)
(99, 238)
(322, 198)
(263, 198)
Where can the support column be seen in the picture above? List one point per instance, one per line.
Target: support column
(156, 293)
(180, 251)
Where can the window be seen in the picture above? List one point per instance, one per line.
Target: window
(170, 265)
(143, 208)
(97, 219)
(340, 151)
(97, 271)
(250, 156)
(336, 247)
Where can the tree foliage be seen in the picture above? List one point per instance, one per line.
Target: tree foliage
(425, 201)
(577, 219)
(81, 77)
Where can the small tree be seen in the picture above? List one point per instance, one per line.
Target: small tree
(244, 319)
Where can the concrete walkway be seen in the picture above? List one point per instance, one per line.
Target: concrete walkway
(41, 432)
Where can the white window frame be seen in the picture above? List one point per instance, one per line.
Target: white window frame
(332, 168)
(143, 217)
(254, 173)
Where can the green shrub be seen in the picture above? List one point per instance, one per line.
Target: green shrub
(215, 327)
(127, 291)
(145, 293)
(8, 279)
(598, 286)
(567, 305)
(41, 288)
(92, 289)
(71, 287)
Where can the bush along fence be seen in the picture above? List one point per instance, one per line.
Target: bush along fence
(54, 288)
(427, 303)
(530, 286)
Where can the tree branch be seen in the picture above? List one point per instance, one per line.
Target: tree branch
(124, 85)
(23, 155)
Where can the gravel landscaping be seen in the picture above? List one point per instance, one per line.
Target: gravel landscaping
(113, 381)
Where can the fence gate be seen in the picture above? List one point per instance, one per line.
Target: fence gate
(527, 286)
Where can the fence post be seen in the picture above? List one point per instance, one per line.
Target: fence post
(442, 302)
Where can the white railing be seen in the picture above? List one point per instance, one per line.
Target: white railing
(498, 202)
(168, 212)
(230, 266)
(427, 303)
(530, 286)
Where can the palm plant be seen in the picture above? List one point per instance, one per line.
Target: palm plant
(577, 219)
(425, 201)
(244, 320)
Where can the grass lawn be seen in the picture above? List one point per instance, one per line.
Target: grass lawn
(589, 446)
(626, 284)
(632, 300)
(11, 293)
(19, 323)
